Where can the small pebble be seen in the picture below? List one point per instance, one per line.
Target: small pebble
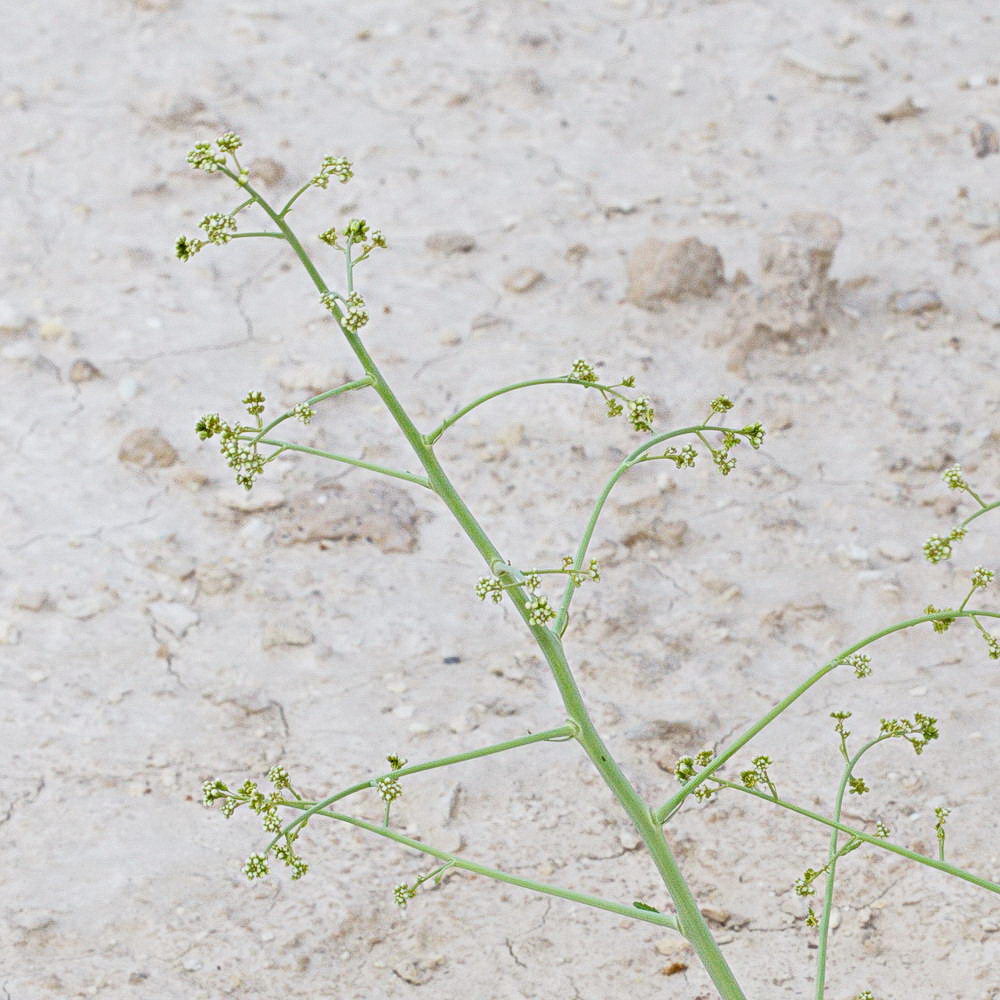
(52, 328)
(128, 388)
(898, 15)
(147, 448)
(83, 371)
(823, 66)
(915, 301)
(985, 139)
(522, 280)
(450, 243)
(895, 551)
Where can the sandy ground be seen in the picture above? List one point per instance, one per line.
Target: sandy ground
(160, 627)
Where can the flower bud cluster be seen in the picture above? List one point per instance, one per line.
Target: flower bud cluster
(389, 789)
(186, 247)
(758, 775)
(244, 459)
(403, 894)
(918, 732)
(266, 807)
(860, 663)
(941, 624)
(333, 166)
(355, 317)
(954, 479)
(303, 412)
(357, 232)
(218, 227)
(640, 409)
(938, 548)
(683, 459)
(540, 612)
(203, 157)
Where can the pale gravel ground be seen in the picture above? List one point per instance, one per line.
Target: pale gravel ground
(534, 127)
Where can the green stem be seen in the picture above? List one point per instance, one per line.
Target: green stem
(661, 919)
(903, 852)
(671, 805)
(692, 922)
(371, 466)
(358, 383)
(294, 198)
(455, 417)
(559, 733)
(562, 617)
(982, 510)
(831, 871)
(246, 236)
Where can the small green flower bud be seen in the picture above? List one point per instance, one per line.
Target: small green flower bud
(303, 412)
(229, 142)
(255, 866)
(539, 611)
(860, 664)
(356, 230)
(583, 371)
(278, 777)
(203, 157)
(213, 790)
(254, 402)
(981, 577)
(186, 247)
(389, 789)
(218, 227)
(208, 426)
(640, 414)
(721, 404)
(953, 477)
(403, 894)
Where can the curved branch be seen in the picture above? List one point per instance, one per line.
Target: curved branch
(560, 380)
(831, 860)
(358, 383)
(559, 625)
(903, 852)
(670, 806)
(567, 731)
(650, 917)
(371, 466)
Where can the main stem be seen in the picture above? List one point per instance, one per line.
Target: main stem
(692, 923)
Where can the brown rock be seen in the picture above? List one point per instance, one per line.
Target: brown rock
(985, 139)
(147, 448)
(379, 513)
(522, 280)
(796, 297)
(661, 272)
(266, 170)
(83, 371)
(915, 301)
(450, 243)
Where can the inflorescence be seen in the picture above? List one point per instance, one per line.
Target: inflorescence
(540, 612)
(241, 443)
(266, 807)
